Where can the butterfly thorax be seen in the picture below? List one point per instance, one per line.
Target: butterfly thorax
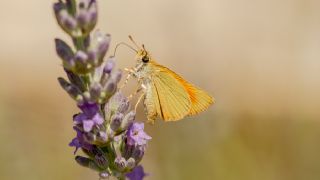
(144, 65)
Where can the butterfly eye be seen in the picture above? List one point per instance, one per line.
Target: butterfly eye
(145, 59)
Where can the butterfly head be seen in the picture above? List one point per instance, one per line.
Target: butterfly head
(143, 55)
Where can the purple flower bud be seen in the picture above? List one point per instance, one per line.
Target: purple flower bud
(118, 103)
(120, 163)
(101, 160)
(93, 12)
(95, 91)
(86, 162)
(123, 105)
(131, 163)
(75, 79)
(81, 57)
(82, 61)
(136, 174)
(102, 137)
(66, 21)
(72, 90)
(110, 87)
(136, 135)
(83, 18)
(138, 152)
(101, 45)
(92, 56)
(116, 121)
(87, 15)
(65, 53)
(128, 120)
(109, 65)
(57, 7)
(103, 42)
(83, 161)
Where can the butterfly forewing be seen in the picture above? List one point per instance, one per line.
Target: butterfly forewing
(173, 99)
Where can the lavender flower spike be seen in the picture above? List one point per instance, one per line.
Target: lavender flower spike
(106, 131)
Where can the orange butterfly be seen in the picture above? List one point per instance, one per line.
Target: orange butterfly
(166, 94)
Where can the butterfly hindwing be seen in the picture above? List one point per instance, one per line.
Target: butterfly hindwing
(200, 100)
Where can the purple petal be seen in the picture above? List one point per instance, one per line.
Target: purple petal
(136, 135)
(75, 143)
(80, 117)
(145, 135)
(109, 65)
(90, 109)
(135, 127)
(130, 141)
(87, 125)
(97, 119)
(136, 174)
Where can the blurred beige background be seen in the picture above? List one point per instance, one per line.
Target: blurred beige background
(260, 59)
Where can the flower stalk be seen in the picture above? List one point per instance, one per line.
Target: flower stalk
(106, 130)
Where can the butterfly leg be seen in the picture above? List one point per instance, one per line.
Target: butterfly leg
(135, 93)
(141, 87)
(131, 71)
(140, 98)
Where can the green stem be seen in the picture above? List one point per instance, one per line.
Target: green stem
(122, 177)
(79, 43)
(86, 81)
(73, 8)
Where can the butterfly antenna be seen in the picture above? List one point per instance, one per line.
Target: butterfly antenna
(144, 48)
(131, 39)
(123, 43)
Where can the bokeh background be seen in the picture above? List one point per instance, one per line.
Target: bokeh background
(260, 59)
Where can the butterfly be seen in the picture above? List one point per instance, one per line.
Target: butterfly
(166, 94)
